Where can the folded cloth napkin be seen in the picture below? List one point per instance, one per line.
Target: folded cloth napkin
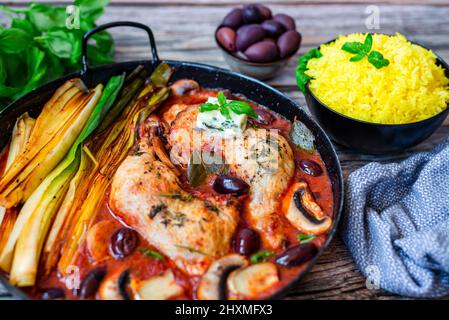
(396, 223)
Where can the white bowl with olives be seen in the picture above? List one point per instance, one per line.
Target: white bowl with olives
(257, 43)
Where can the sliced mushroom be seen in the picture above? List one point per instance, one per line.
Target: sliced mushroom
(250, 282)
(97, 240)
(212, 284)
(115, 287)
(181, 87)
(156, 128)
(160, 287)
(303, 211)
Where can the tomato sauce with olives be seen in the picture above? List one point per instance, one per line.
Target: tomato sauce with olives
(309, 167)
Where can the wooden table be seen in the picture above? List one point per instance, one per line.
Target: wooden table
(184, 31)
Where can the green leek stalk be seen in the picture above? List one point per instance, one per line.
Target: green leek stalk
(55, 130)
(110, 151)
(31, 239)
(19, 138)
(35, 198)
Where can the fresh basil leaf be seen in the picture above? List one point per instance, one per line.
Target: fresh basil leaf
(24, 25)
(357, 57)
(104, 42)
(44, 17)
(37, 71)
(14, 40)
(60, 42)
(2, 71)
(91, 10)
(353, 47)
(96, 57)
(368, 44)
(241, 107)
(221, 98)
(377, 59)
(16, 67)
(301, 78)
(225, 112)
(205, 107)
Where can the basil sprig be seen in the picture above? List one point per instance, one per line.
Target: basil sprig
(238, 107)
(301, 77)
(362, 50)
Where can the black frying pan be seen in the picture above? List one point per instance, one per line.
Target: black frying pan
(207, 77)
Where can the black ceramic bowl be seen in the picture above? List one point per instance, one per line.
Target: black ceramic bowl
(374, 138)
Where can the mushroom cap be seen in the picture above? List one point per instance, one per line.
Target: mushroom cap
(211, 286)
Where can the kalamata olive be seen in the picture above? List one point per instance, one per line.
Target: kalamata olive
(123, 243)
(310, 167)
(270, 40)
(246, 241)
(252, 14)
(297, 255)
(226, 37)
(53, 293)
(288, 43)
(264, 117)
(285, 20)
(233, 19)
(226, 184)
(263, 51)
(91, 282)
(265, 11)
(247, 35)
(273, 28)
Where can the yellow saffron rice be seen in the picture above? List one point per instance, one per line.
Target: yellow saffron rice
(411, 88)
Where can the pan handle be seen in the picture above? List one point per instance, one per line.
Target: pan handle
(86, 70)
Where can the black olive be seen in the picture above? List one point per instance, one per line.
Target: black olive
(53, 293)
(227, 184)
(252, 14)
(246, 241)
(233, 19)
(311, 168)
(91, 282)
(297, 255)
(123, 242)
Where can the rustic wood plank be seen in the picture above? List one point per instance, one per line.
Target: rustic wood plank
(185, 32)
(234, 2)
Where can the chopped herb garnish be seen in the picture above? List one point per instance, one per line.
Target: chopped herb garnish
(209, 206)
(191, 249)
(305, 238)
(362, 50)
(212, 127)
(261, 256)
(225, 106)
(156, 209)
(150, 253)
(186, 198)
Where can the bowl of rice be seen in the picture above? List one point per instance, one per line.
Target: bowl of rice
(375, 93)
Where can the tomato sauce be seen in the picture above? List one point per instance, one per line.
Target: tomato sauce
(144, 267)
